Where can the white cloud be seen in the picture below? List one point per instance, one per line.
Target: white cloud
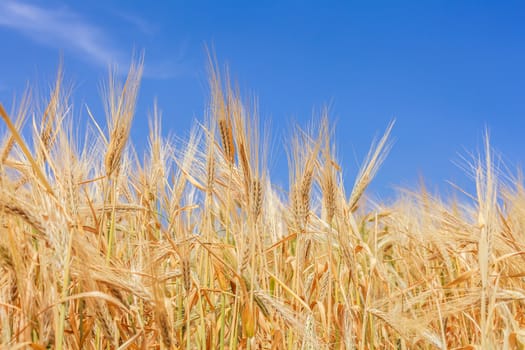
(140, 23)
(59, 28)
(63, 29)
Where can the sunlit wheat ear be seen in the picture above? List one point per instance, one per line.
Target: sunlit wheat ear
(186, 274)
(329, 194)
(51, 116)
(309, 339)
(375, 158)
(302, 166)
(327, 173)
(225, 128)
(120, 109)
(256, 198)
(159, 149)
(221, 111)
(246, 255)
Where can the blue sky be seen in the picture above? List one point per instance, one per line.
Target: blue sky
(444, 70)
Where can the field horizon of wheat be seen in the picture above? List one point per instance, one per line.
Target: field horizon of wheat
(189, 245)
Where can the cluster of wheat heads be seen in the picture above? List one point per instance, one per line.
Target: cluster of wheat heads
(191, 246)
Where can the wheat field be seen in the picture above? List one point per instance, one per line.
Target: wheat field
(189, 244)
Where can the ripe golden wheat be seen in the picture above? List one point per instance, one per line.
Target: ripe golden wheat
(191, 246)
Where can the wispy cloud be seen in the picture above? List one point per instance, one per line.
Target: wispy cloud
(146, 27)
(64, 29)
(60, 28)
